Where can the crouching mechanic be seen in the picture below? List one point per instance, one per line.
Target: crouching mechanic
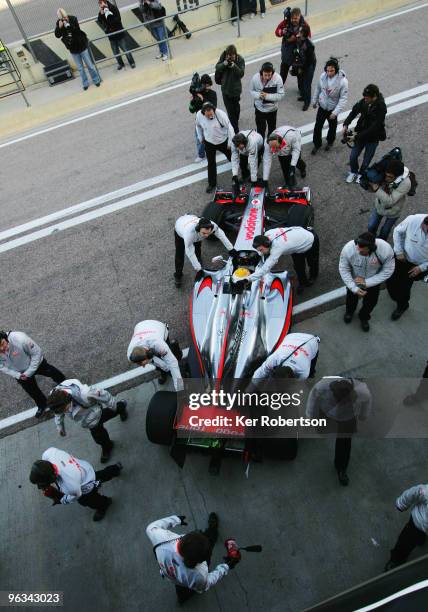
(296, 357)
(189, 232)
(150, 343)
(286, 142)
(247, 150)
(66, 479)
(91, 407)
(184, 560)
(281, 241)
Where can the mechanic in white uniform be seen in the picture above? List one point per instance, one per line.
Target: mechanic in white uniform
(184, 560)
(298, 353)
(247, 150)
(286, 143)
(148, 343)
(277, 242)
(66, 479)
(190, 230)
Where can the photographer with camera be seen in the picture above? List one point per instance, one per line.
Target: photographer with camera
(331, 96)
(304, 62)
(288, 29)
(110, 21)
(370, 129)
(184, 560)
(201, 91)
(153, 10)
(390, 197)
(247, 150)
(229, 72)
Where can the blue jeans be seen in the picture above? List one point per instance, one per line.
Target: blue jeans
(159, 33)
(369, 151)
(119, 44)
(85, 57)
(374, 222)
(200, 147)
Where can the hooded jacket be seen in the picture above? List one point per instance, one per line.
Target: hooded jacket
(374, 268)
(331, 94)
(23, 356)
(274, 89)
(293, 147)
(111, 22)
(371, 123)
(389, 200)
(75, 477)
(231, 75)
(253, 150)
(416, 498)
(72, 36)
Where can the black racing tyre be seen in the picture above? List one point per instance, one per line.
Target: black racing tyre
(192, 365)
(300, 216)
(283, 449)
(160, 417)
(214, 212)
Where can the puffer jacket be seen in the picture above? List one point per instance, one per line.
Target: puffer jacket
(391, 204)
(331, 94)
(375, 268)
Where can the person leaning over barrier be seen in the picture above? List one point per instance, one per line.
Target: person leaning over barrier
(110, 21)
(75, 40)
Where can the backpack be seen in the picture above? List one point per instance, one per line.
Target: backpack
(376, 172)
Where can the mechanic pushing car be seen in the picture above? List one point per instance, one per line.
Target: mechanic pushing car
(189, 231)
(286, 143)
(150, 342)
(247, 150)
(184, 560)
(296, 357)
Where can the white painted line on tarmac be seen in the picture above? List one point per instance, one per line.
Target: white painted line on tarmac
(186, 82)
(14, 419)
(138, 199)
(168, 176)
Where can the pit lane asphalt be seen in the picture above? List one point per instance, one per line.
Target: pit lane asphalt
(80, 292)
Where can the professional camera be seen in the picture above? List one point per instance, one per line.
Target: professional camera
(297, 62)
(196, 85)
(348, 138)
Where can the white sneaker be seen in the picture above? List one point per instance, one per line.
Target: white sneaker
(252, 15)
(351, 177)
(262, 15)
(199, 160)
(159, 56)
(164, 58)
(358, 178)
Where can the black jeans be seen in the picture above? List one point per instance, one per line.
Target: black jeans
(119, 44)
(322, 117)
(310, 257)
(243, 164)
(265, 119)
(210, 150)
(283, 71)
(342, 453)
(93, 499)
(31, 387)
(304, 83)
(369, 302)
(99, 432)
(409, 538)
(233, 109)
(183, 593)
(399, 285)
(180, 252)
(285, 163)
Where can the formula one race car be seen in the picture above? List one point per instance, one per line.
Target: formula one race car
(234, 327)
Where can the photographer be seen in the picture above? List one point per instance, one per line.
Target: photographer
(331, 96)
(267, 90)
(229, 71)
(370, 129)
(152, 10)
(110, 21)
(288, 29)
(390, 197)
(304, 65)
(201, 91)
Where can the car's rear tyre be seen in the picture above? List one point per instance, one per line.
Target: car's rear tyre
(193, 365)
(160, 417)
(213, 212)
(283, 449)
(300, 216)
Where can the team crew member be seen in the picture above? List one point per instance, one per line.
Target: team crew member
(415, 530)
(267, 89)
(189, 232)
(66, 479)
(331, 96)
(296, 357)
(90, 406)
(247, 150)
(22, 358)
(184, 560)
(286, 142)
(365, 263)
(411, 260)
(214, 129)
(277, 242)
(342, 402)
(150, 343)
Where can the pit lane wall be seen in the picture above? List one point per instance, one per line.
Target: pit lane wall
(321, 17)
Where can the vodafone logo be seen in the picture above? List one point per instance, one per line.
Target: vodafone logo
(251, 222)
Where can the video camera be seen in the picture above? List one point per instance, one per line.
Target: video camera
(348, 138)
(196, 84)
